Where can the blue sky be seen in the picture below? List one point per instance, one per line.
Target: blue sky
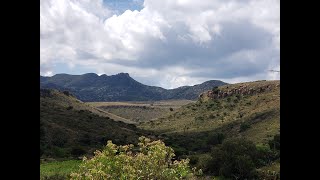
(162, 42)
(122, 5)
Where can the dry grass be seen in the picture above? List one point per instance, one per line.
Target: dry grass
(140, 111)
(160, 104)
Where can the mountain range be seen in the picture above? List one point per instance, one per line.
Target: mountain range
(91, 87)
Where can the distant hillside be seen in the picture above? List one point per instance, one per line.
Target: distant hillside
(121, 87)
(250, 110)
(69, 127)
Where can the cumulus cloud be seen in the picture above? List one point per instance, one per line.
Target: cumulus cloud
(166, 43)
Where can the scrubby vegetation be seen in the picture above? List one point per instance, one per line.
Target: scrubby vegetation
(256, 117)
(239, 159)
(72, 132)
(150, 160)
(197, 128)
(234, 158)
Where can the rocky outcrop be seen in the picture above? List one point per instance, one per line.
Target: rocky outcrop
(240, 90)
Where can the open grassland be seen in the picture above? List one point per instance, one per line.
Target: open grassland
(140, 111)
(58, 169)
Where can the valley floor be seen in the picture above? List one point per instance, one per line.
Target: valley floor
(140, 111)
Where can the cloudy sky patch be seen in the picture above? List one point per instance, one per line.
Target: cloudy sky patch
(162, 42)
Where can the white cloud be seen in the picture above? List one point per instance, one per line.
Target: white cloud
(167, 43)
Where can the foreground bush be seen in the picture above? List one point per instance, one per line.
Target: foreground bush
(153, 160)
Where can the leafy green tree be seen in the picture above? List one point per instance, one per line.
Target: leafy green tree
(234, 158)
(67, 93)
(265, 155)
(216, 138)
(42, 138)
(152, 160)
(215, 89)
(275, 143)
(77, 151)
(244, 126)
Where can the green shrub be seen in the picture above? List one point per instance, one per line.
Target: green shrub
(211, 116)
(194, 160)
(275, 142)
(215, 90)
(216, 138)
(202, 161)
(152, 161)
(67, 93)
(199, 118)
(59, 152)
(179, 151)
(268, 175)
(238, 96)
(59, 138)
(244, 126)
(69, 107)
(265, 155)
(234, 158)
(77, 151)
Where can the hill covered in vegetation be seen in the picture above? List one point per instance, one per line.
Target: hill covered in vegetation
(216, 111)
(211, 130)
(250, 110)
(121, 87)
(70, 128)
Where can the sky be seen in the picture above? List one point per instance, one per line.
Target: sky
(167, 43)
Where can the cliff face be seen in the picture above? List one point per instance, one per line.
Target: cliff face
(250, 88)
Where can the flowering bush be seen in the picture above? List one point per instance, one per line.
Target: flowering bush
(153, 160)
